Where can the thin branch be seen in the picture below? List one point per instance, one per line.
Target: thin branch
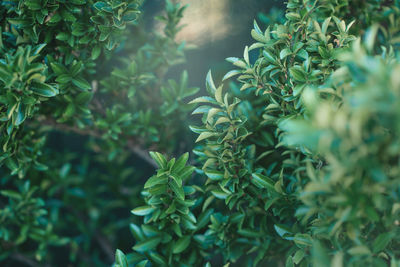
(105, 246)
(131, 143)
(23, 259)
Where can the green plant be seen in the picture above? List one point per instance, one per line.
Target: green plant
(296, 161)
(62, 81)
(298, 178)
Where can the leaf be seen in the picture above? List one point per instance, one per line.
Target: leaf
(203, 99)
(298, 73)
(283, 231)
(246, 55)
(181, 244)
(143, 210)
(62, 36)
(230, 74)
(81, 83)
(176, 178)
(155, 180)
(249, 233)
(293, 16)
(10, 194)
(210, 83)
(143, 263)
(178, 190)
(381, 242)
(269, 57)
(258, 36)
(262, 181)
(96, 52)
(180, 163)
(325, 25)
(159, 159)
(220, 194)
(298, 256)
(21, 115)
(284, 53)
(147, 245)
(43, 89)
(359, 250)
(120, 259)
(204, 135)
(58, 68)
(187, 171)
(214, 175)
(302, 240)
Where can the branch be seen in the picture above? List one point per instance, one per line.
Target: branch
(105, 246)
(131, 143)
(23, 259)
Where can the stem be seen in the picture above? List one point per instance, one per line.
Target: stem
(23, 259)
(131, 143)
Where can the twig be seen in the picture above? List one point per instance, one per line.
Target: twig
(23, 259)
(131, 143)
(105, 246)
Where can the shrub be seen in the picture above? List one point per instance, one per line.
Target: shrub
(62, 79)
(297, 155)
(298, 158)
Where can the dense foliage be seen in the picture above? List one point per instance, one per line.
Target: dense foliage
(297, 160)
(83, 95)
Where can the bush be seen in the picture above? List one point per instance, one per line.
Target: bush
(297, 155)
(298, 158)
(66, 200)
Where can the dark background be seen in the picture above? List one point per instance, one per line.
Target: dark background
(212, 49)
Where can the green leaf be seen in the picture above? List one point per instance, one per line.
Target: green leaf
(204, 135)
(269, 57)
(382, 241)
(147, 244)
(293, 16)
(210, 84)
(159, 159)
(220, 194)
(11, 194)
(230, 74)
(187, 171)
(262, 181)
(120, 259)
(249, 233)
(284, 53)
(143, 263)
(58, 68)
(81, 83)
(246, 55)
(96, 52)
(155, 180)
(43, 89)
(298, 73)
(203, 99)
(181, 244)
(359, 250)
(303, 240)
(180, 163)
(214, 175)
(62, 36)
(178, 190)
(143, 210)
(298, 256)
(283, 231)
